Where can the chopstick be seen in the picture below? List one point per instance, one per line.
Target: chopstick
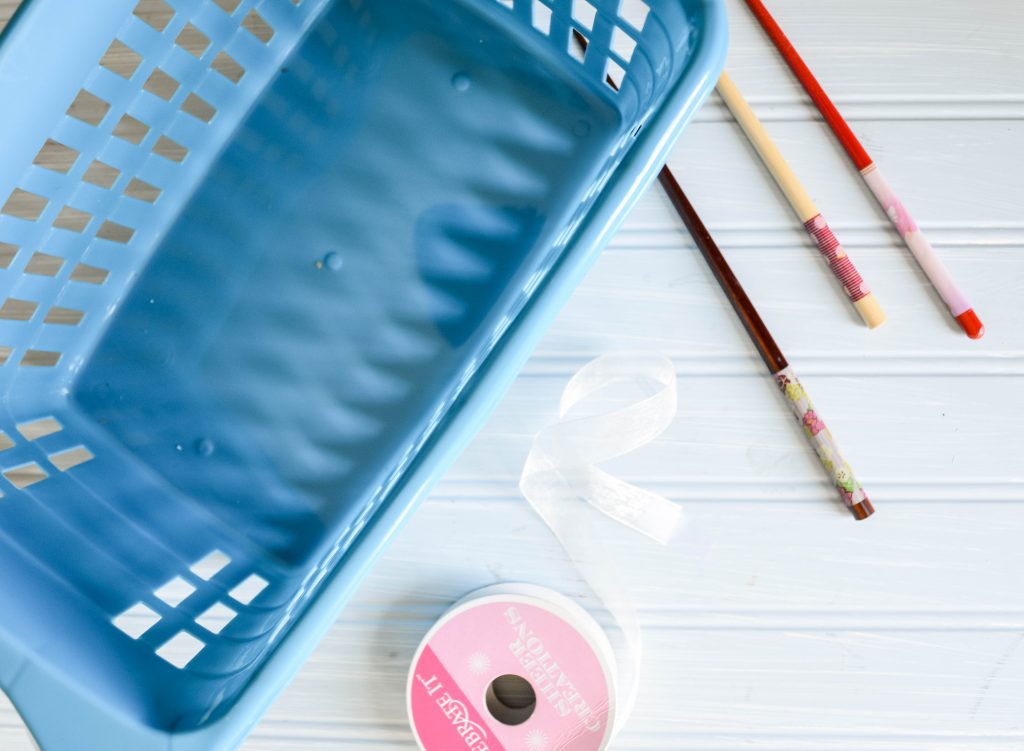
(809, 215)
(937, 273)
(850, 491)
(839, 471)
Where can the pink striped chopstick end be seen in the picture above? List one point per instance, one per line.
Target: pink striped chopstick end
(844, 270)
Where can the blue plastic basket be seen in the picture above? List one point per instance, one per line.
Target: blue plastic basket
(267, 265)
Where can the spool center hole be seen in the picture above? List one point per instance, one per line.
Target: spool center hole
(511, 699)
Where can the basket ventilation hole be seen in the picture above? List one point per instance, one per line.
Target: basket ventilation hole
(56, 156)
(114, 232)
(584, 12)
(510, 4)
(89, 108)
(541, 17)
(72, 219)
(25, 475)
(228, 6)
(614, 74)
(198, 107)
(72, 457)
(142, 191)
(24, 205)
(228, 67)
(64, 316)
(156, 13)
(17, 310)
(181, 649)
(578, 45)
(211, 565)
(623, 44)
(131, 130)
(39, 358)
(635, 13)
(5, 441)
(7, 254)
(170, 149)
(36, 429)
(162, 85)
(249, 589)
(121, 59)
(175, 592)
(83, 272)
(216, 618)
(101, 174)
(43, 264)
(192, 40)
(257, 25)
(5, 354)
(136, 620)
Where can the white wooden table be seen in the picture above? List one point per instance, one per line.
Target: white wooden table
(793, 628)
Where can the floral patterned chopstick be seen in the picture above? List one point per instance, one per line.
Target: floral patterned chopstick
(818, 435)
(850, 491)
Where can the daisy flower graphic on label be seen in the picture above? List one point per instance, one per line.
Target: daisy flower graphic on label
(536, 740)
(478, 663)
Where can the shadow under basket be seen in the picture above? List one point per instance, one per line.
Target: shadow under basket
(266, 267)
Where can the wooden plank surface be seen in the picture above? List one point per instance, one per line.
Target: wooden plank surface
(784, 626)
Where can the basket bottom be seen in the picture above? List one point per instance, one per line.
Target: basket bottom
(345, 266)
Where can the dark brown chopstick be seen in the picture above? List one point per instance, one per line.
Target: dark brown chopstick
(850, 491)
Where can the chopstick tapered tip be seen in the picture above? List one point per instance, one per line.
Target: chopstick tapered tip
(971, 324)
(862, 510)
(870, 311)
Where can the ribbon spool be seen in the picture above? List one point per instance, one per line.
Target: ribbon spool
(510, 667)
(517, 666)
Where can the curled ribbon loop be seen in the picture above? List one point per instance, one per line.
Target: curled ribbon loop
(561, 472)
(566, 453)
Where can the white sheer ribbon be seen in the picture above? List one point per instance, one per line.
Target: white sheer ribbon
(561, 473)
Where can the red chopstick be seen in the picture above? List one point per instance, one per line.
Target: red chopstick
(926, 256)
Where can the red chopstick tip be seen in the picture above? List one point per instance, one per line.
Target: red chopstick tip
(971, 324)
(862, 510)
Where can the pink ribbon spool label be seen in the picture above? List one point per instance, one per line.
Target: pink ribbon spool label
(479, 642)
